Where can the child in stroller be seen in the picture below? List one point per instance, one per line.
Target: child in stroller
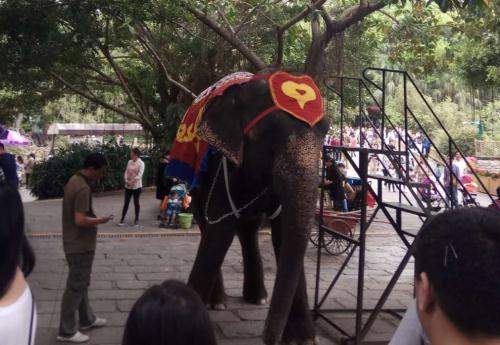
(430, 195)
(172, 205)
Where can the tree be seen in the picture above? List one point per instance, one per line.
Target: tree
(145, 60)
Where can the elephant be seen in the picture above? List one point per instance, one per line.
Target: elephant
(271, 169)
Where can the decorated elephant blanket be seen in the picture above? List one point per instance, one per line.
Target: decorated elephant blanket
(297, 95)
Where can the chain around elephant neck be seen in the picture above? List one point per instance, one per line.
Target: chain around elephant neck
(230, 213)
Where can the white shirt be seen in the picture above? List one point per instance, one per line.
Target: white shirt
(15, 321)
(134, 172)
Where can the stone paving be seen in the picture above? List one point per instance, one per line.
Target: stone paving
(129, 260)
(125, 267)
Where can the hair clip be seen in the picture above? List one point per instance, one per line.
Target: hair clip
(446, 253)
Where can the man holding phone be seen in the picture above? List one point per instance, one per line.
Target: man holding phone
(79, 225)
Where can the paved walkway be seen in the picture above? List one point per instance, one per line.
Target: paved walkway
(129, 260)
(125, 267)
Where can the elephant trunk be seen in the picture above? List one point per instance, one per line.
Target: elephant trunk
(295, 181)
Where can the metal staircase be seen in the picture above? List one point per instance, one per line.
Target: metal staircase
(410, 194)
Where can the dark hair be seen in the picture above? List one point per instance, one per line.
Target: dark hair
(2, 146)
(95, 160)
(498, 192)
(136, 151)
(14, 247)
(169, 314)
(341, 165)
(20, 159)
(460, 252)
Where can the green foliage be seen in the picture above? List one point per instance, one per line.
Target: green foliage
(49, 177)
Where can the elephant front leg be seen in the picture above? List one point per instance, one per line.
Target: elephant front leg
(299, 328)
(206, 276)
(254, 290)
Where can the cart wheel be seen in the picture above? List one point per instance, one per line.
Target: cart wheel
(314, 238)
(339, 245)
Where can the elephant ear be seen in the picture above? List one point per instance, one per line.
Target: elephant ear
(221, 125)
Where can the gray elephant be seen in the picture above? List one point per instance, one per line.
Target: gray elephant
(263, 160)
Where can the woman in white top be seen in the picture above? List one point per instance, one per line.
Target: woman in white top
(133, 184)
(17, 306)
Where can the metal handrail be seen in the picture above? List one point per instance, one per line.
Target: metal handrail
(436, 118)
(389, 150)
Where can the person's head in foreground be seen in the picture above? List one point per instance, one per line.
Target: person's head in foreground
(169, 314)
(457, 263)
(16, 254)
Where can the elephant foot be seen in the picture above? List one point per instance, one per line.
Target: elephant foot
(256, 301)
(216, 306)
(255, 296)
(299, 331)
(314, 341)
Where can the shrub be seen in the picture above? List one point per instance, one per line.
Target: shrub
(49, 177)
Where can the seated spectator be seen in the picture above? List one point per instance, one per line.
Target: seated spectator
(457, 265)
(336, 183)
(169, 314)
(496, 204)
(17, 306)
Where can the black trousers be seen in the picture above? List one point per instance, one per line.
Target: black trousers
(136, 193)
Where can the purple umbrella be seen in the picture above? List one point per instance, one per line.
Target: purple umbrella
(14, 138)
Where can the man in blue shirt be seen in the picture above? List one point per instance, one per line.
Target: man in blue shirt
(8, 165)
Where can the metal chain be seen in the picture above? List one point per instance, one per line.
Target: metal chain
(230, 213)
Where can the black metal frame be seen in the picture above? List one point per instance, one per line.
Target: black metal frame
(423, 211)
(361, 330)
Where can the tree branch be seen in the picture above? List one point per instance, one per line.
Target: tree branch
(140, 36)
(248, 16)
(350, 16)
(355, 14)
(326, 17)
(121, 77)
(229, 37)
(94, 99)
(304, 13)
(224, 18)
(280, 30)
(190, 32)
(390, 16)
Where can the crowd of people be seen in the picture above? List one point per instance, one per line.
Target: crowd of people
(451, 186)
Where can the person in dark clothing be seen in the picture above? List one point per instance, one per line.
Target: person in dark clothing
(163, 184)
(9, 167)
(336, 184)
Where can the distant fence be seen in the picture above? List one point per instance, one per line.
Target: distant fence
(487, 148)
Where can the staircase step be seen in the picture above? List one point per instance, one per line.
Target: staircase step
(406, 208)
(374, 151)
(397, 181)
(410, 232)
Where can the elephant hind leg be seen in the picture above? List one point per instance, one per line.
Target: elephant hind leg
(254, 290)
(206, 277)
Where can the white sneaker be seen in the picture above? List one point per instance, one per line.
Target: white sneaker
(99, 322)
(121, 224)
(75, 338)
